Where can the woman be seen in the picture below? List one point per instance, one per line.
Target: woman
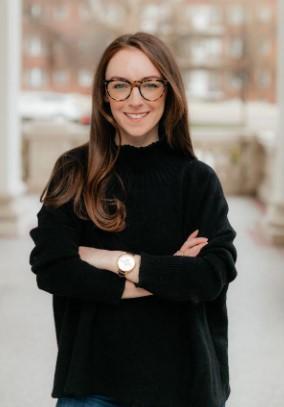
(139, 299)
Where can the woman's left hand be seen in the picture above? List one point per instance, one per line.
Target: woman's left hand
(100, 258)
(192, 246)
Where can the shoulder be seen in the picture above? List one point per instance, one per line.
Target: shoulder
(201, 179)
(69, 163)
(67, 177)
(77, 156)
(200, 170)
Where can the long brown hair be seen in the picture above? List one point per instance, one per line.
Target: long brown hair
(86, 183)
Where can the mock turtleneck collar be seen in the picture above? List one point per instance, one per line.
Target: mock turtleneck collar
(143, 158)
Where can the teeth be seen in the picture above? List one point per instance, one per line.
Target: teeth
(136, 116)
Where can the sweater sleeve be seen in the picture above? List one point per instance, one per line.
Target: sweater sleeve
(200, 278)
(56, 262)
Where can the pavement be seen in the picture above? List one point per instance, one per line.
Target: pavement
(255, 308)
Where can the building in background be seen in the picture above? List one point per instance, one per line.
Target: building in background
(56, 49)
(226, 49)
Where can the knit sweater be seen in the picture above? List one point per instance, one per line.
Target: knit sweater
(165, 350)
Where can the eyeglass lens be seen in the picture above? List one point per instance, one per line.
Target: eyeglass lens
(150, 90)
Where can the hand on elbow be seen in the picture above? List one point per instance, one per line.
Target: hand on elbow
(192, 246)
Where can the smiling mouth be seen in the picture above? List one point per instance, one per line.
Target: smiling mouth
(136, 116)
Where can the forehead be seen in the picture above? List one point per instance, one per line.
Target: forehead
(131, 64)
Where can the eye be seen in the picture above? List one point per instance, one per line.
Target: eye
(152, 85)
(119, 85)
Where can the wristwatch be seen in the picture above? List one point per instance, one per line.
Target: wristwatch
(125, 263)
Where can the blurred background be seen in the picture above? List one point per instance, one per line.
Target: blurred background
(232, 64)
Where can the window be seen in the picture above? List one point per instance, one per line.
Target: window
(214, 84)
(265, 47)
(236, 14)
(216, 15)
(187, 13)
(35, 78)
(150, 18)
(85, 78)
(60, 12)
(198, 83)
(112, 11)
(264, 79)
(204, 17)
(184, 48)
(214, 47)
(35, 10)
(236, 48)
(60, 77)
(236, 81)
(200, 16)
(265, 14)
(198, 53)
(202, 84)
(34, 46)
(204, 51)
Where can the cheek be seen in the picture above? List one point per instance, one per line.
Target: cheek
(160, 108)
(116, 108)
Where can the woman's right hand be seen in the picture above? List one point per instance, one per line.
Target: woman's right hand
(192, 246)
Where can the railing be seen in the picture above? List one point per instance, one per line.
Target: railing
(241, 158)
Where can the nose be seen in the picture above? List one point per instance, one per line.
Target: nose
(135, 98)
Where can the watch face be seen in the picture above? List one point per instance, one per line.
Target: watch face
(126, 262)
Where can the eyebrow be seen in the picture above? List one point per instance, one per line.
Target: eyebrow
(120, 78)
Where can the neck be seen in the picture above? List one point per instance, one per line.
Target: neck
(144, 160)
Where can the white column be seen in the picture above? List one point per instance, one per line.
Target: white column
(13, 203)
(275, 215)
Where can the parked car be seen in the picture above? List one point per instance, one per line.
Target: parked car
(55, 106)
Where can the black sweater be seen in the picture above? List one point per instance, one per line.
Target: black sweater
(165, 350)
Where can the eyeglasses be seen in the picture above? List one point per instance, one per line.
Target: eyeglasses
(150, 89)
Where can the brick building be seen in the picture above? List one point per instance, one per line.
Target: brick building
(226, 49)
(54, 55)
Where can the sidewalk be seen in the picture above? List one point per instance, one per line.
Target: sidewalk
(256, 322)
